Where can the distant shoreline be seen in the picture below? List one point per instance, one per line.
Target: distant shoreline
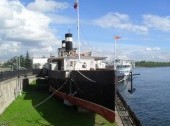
(151, 64)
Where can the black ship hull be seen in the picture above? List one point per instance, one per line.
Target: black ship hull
(92, 90)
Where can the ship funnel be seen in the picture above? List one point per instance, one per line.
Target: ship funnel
(63, 44)
(68, 41)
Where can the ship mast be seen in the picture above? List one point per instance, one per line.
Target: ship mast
(76, 6)
(78, 28)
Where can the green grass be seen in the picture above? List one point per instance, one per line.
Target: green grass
(52, 113)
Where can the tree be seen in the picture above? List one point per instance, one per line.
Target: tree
(19, 61)
(22, 61)
(28, 61)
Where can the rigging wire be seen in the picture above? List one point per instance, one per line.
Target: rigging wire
(124, 87)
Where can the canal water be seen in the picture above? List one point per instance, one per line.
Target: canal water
(151, 99)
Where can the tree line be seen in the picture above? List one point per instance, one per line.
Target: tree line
(19, 62)
(151, 64)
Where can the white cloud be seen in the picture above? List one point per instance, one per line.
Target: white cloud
(45, 51)
(5, 12)
(9, 47)
(22, 29)
(128, 51)
(47, 5)
(152, 49)
(157, 22)
(119, 21)
(7, 19)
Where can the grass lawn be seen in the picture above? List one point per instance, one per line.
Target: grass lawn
(51, 113)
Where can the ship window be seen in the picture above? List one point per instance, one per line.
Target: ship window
(71, 63)
(84, 65)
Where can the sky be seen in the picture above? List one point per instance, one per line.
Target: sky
(39, 26)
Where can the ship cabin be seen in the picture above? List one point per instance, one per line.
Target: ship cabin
(73, 63)
(69, 59)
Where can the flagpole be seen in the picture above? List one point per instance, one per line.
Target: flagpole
(115, 56)
(115, 53)
(78, 28)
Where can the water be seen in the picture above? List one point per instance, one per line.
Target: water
(151, 100)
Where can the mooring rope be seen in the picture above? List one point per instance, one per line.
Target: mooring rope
(124, 78)
(86, 77)
(50, 95)
(124, 87)
(74, 82)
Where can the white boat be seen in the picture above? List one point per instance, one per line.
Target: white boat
(124, 68)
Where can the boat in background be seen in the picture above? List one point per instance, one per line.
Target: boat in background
(124, 68)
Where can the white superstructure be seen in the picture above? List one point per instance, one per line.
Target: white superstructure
(68, 58)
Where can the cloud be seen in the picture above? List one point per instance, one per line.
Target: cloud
(26, 26)
(8, 49)
(139, 53)
(119, 21)
(152, 49)
(8, 46)
(129, 51)
(22, 29)
(45, 51)
(157, 22)
(7, 19)
(47, 5)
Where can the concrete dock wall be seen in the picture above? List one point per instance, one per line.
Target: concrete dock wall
(9, 90)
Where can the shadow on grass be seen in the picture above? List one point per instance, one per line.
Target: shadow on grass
(53, 111)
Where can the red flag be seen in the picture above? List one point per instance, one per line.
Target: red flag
(117, 37)
(76, 4)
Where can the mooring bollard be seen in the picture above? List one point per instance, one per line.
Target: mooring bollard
(132, 90)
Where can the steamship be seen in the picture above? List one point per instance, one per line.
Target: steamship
(82, 80)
